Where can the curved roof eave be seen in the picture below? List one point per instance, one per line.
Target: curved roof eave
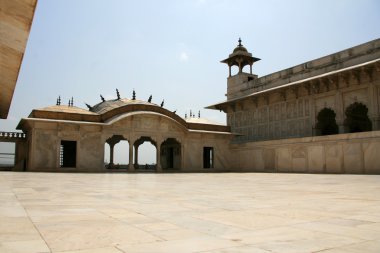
(129, 108)
(118, 113)
(129, 114)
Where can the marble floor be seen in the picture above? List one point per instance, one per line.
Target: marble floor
(213, 213)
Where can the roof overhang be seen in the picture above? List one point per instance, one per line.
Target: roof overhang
(219, 106)
(112, 116)
(243, 59)
(15, 22)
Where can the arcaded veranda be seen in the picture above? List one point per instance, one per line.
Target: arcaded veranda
(248, 212)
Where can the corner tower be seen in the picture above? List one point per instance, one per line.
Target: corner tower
(236, 84)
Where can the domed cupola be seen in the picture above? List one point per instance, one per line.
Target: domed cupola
(240, 57)
(240, 48)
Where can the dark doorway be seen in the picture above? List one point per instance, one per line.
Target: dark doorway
(171, 154)
(326, 123)
(68, 154)
(208, 157)
(357, 118)
(170, 157)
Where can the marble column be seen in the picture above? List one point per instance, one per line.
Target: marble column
(131, 167)
(112, 142)
(158, 157)
(111, 154)
(137, 155)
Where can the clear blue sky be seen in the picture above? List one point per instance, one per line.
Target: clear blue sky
(172, 49)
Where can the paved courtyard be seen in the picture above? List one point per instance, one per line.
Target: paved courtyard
(248, 212)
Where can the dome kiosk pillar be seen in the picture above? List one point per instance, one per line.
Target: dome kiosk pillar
(240, 57)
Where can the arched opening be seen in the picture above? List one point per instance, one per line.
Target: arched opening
(247, 69)
(171, 154)
(7, 155)
(145, 154)
(357, 118)
(121, 157)
(326, 123)
(234, 70)
(116, 152)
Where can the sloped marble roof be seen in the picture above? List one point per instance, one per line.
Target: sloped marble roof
(66, 109)
(109, 105)
(105, 111)
(202, 121)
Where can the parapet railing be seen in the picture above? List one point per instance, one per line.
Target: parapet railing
(12, 136)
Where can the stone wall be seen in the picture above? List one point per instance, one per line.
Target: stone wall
(291, 112)
(193, 152)
(344, 153)
(45, 139)
(44, 147)
(244, 84)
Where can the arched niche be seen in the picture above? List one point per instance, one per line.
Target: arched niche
(326, 122)
(357, 119)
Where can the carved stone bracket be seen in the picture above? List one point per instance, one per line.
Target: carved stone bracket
(294, 90)
(333, 81)
(282, 94)
(307, 87)
(266, 99)
(346, 77)
(315, 87)
(356, 74)
(369, 72)
(255, 101)
(326, 84)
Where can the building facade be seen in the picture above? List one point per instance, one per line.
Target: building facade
(287, 103)
(68, 138)
(322, 116)
(333, 95)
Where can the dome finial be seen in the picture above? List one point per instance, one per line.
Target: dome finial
(240, 42)
(133, 95)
